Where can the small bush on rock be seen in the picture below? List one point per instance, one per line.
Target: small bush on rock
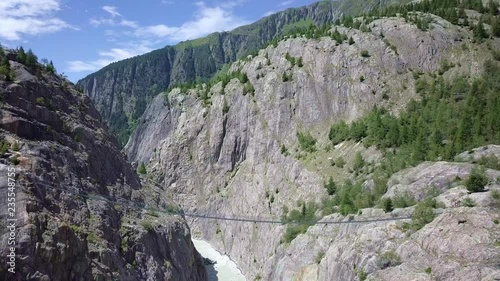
(477, 180)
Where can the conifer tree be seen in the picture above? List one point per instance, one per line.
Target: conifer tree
(31, 59)
(479, 31)
(495, 27)
(21, 55)
(492, 8)
(50, 67)
(142, 169)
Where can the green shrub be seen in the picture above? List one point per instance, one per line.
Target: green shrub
(284, 150)
(387, 205)
(15, 160)
(359, 162)
(300, 62)
(40, 101)
(340, 162)
(423, 214)
(388, 259)
(477, 180)
(50, 68)
(141, 170)
(428, 270)
(490, 162)
(495, 197)
(496, 55)
(299, 221)
(362, 275)
(403, 201)
(365, 54)
(147, 225)
(306, 142)
(331, 186)
(249, 89)
(468, 202)
(92, 237)
(285, 77)
(4, 146)
(15, 146)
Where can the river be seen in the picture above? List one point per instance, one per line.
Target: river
(224, 268)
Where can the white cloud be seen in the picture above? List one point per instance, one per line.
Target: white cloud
(156, 31)
(107, 57)
(112, 10)
(269, 13)
(206, 20)
(116, 19)
(145, 38)
(30, 17)
(285, 3)
(232, 4)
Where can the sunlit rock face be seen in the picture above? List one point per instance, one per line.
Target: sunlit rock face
(63, 159)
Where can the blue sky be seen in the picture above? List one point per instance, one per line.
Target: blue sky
(84, 36)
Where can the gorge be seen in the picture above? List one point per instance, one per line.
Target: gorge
(327, 142)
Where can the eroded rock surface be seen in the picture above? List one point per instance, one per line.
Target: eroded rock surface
(229, 157)
(63, 158)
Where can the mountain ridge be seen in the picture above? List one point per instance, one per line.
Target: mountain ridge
(122, 99)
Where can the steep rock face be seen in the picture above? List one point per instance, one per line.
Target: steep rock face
(443, 250)
(122, 90)
(228, 158)
(325, 89)
(416, 182)
(64, 162)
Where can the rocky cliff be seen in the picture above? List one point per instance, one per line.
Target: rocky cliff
(235, 150)
(72, 189)
(123, 90)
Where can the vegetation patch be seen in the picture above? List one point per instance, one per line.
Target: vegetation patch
(424, 213)
(306, 142)
(299, 221)
(477, 180)
(388, 259)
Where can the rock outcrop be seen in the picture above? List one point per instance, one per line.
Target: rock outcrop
(73, 188)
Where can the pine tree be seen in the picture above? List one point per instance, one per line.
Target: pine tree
(5, 68)
(479, 31)
(50, 68)
(300, 62)
(359, 162)
(142, 169)
(331, 186)
(387, 205)
(31, 59)
(492, 8)
(285, 77)
(495, 27)
(21, 55)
